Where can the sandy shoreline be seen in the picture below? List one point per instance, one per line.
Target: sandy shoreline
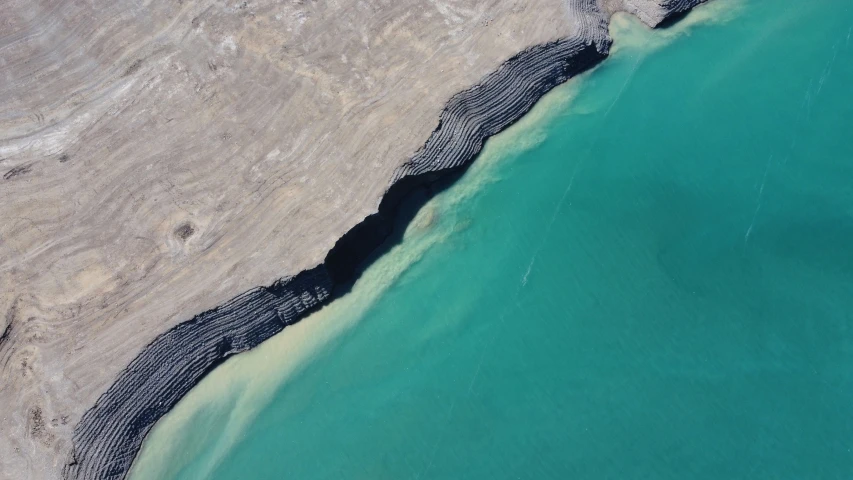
(48, 392)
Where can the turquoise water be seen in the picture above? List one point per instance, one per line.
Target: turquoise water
(651, 277)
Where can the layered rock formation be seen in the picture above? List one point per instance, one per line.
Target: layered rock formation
(110, 434)
(161, 158)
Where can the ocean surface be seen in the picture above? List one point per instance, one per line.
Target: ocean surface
(649, 277)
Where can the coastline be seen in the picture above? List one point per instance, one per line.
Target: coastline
(359, 403)
(108, 437)
(230, 399)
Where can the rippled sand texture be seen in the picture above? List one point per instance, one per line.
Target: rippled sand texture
(159, 158)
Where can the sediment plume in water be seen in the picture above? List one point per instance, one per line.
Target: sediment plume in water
(110, 434)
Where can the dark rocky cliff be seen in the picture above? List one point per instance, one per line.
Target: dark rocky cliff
(110, 434)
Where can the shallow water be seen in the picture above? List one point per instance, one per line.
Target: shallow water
(651, 276)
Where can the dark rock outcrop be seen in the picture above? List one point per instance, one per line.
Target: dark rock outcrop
(110, 434)
(675, 10)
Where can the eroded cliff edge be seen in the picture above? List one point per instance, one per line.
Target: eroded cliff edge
(110, 434)
(158, 158)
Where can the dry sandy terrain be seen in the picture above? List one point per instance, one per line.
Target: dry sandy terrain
(159, 157)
